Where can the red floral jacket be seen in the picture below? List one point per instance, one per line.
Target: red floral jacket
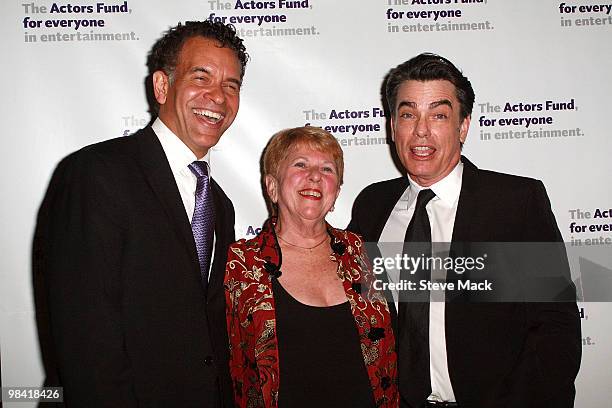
(251, 319)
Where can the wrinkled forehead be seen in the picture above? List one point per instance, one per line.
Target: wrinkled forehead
(426, 95)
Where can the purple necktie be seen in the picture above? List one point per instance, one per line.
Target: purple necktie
(203, 221)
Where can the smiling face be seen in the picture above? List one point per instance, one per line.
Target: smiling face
(202, 99)
(427, 129)
(306, 186)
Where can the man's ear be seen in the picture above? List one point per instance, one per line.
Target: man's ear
(392, 129)
(271, 188)
(161, 83)
(463, 128)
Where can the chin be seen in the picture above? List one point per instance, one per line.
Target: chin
(421, 171)
(313, 217)
(205, 143)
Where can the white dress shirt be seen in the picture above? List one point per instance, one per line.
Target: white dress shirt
(441, 211)
(180, 157)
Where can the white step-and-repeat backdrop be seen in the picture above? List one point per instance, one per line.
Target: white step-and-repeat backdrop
(74, 74)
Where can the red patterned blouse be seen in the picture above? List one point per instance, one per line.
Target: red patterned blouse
(251, 318)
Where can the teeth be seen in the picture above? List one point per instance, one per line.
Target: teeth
(214, 116)
(422, 150)
(311, 193)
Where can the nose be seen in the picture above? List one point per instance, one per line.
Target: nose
(215, 93)
(422, 127)
(315, 174)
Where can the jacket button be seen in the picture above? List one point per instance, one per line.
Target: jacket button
(208, 360)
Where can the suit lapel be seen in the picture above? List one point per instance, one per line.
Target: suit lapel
(467, 207)
(465, 233)
(222, 240)
(386, 203)
(157, 171)
(380, 216)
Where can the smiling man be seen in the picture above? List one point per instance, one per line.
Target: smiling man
(457, 352)
(134, 235)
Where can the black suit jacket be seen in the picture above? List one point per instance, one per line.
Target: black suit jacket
(129, 319)
(499, 354)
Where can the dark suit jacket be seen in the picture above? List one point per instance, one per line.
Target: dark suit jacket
(129, 319)
(499, 354)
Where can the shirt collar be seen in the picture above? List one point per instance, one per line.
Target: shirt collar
(447, 190)
(178, 154)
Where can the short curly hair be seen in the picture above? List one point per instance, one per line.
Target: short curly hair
(282, 143)
(164, 54)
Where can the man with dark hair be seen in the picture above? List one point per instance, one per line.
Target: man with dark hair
(459, 352)
(134, 234)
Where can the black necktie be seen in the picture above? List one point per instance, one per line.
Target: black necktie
(413, 333)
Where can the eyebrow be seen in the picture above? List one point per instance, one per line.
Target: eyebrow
(306, 158)
(432, 105)
(207, 71)
(406, 103)
(441, 102)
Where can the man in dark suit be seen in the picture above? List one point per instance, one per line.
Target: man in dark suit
(135, 296)
(460, 351)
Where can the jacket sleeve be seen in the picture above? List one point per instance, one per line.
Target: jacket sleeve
(81, 235)
(555, 332)
(356, 215)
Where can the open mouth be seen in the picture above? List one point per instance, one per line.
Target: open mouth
(311, 194)
(422, 151)
(209, 116)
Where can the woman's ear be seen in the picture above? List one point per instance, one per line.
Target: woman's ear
(271, 188)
